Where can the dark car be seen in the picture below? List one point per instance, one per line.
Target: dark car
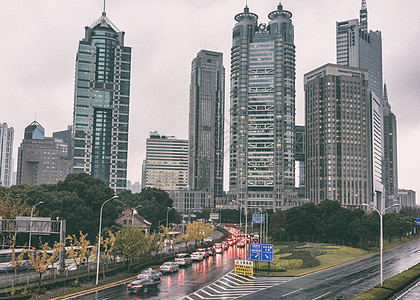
(142, 285)
(211, 251)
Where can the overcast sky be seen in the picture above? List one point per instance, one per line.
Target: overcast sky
(40, 40)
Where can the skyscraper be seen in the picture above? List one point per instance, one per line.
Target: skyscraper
(339, 160)
(6, 154)
(166, 164)
(359, 47)
(262, 101)
(101, 104)
(390, 153)
(206, 122)
(42, 160)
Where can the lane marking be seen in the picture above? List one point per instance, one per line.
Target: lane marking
(321, 296)
(291, 292)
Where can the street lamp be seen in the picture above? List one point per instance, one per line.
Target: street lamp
(381, 232)
(30, 223)
(246, 225)
(167, 215)
(99, 239)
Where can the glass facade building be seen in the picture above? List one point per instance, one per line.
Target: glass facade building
(339, 160)
(206, 123)
(6, 154)
(262, 101)
(101, 104)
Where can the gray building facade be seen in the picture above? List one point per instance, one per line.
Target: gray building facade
(339, 154)
(262, 116)
(206, 122)
(101, 104)
(42, 160)
(6, 154)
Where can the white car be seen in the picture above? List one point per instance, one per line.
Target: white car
(197, 256)
(169, 266)
(183, 259)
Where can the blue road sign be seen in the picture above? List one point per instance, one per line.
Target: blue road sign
(257, 218)
(418, 221)
(256, 253)
(267, 252)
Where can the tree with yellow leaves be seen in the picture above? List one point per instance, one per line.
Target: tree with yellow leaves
(43, 258)
(198, 231)
(15, 260)
(108, 243)
(169, 236)
(78, 250)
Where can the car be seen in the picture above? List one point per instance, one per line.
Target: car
(231, 241)
(197, 256)
(241, 243)
(203, 250)
(208, 239)
(225, 245)
(211, 251)
(218, 248)
(169, 267)
(151, 274)
(183, 259)
(142, 285)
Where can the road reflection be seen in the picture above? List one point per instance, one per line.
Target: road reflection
(185, 281)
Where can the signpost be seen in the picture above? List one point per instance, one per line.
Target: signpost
(214, 216)
(262, 252)
(418, 221)
(244, 267)
(258, 218)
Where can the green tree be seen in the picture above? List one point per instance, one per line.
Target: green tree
(129, 242)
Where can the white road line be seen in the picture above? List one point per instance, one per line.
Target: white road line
(291, 293)
(358, 279)
(225, 284)
(197, 294)
(241, 277)
(399, 297)
(217, 286)
(319, 297)
(237, 279)
(231, 281)
(189, 298)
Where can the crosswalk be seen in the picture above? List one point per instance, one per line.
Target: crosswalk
(232, 286)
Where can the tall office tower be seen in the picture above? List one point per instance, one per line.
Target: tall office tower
(166, 165)
(206, 122)
(101, 104)
(42, 160)
(6, 152)
(339, 161)
(361, 48)
(262, 101)
(390, 153)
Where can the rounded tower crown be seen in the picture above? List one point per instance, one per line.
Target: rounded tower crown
(281, 14)
(246, 16)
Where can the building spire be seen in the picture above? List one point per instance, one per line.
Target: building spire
(363, 17)
(103, 11)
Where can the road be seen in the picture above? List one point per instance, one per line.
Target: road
(213, 279)
(412, 293)
(346, 280)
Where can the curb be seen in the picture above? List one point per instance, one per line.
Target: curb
(95, 288)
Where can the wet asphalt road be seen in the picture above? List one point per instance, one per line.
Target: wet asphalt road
(347, 280)
(181, 283)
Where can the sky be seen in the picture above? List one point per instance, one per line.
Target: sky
(40, 40)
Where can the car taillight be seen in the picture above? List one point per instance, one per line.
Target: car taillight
(139, 286)
(128, 285)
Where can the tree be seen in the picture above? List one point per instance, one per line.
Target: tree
(198, 231)
(108, 244)
(15, 260)
(276, 228)
(78, 250)
(129, 242)
(11, 208)
(43, 258)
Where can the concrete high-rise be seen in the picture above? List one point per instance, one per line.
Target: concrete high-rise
(42, 160)
(6, 154)
(340, 158)
(262, 103)
(390, 153)
(206, 122)
(359, 47)
(166, 164)
(101, 104)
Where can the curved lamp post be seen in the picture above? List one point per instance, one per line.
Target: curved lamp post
(381, 232)
(167, 215)
(246, 225)
(99, 239)
(30, 223)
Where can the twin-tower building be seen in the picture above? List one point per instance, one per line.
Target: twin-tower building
(348, 144)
